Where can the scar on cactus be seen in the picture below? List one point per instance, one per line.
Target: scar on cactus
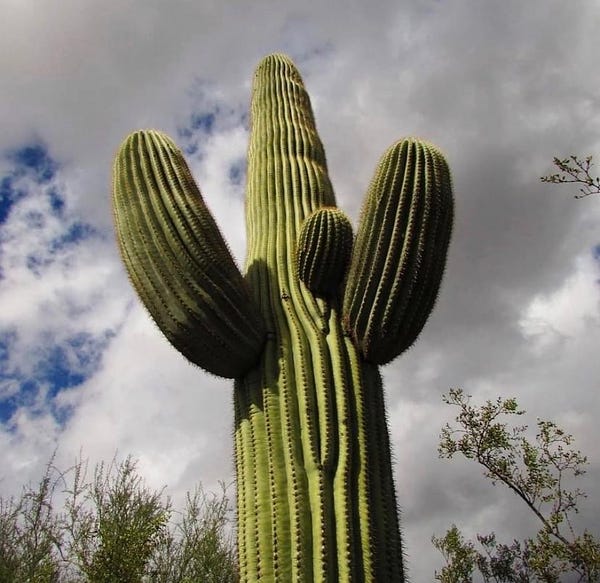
(302, 331)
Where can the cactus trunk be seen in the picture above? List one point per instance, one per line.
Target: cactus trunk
(303, 332)
(316, 502)
(316, 497)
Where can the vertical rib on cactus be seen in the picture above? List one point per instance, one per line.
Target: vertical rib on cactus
(315, 489)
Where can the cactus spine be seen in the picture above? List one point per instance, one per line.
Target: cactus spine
(315, 489)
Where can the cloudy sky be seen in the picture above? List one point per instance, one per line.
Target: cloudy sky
(501, 87)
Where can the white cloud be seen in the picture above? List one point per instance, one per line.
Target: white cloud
(59, 277)
(567, 311)
(224, 197)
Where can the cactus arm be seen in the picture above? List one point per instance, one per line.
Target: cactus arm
(324, 248)
(177, 260)
(400, 250)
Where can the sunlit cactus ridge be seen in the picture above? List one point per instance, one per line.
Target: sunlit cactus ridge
(302, 332)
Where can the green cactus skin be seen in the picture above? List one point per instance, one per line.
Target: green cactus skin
(178, 261)
(324, 248)
(396, 271)
(315, 490)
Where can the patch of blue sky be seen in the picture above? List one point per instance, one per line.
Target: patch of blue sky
(596, 252)
(32, 188)
(33, 175)
(35, 158)
(209, 114)
(58, 370)
(31, 161)
(8, 407)
(198, 122)
(237, 172)
(204, 122)
(30, 397)
(56, 248)
(9, 195)
(58, 367)
(75, 233)
(57, 201)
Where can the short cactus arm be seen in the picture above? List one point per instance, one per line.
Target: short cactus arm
(324, 248)
(178, 261)
(400, 250)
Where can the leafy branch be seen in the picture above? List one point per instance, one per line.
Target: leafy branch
(537, 472)
(577, 171)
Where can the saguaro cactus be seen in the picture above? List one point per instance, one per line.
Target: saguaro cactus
(303, 332)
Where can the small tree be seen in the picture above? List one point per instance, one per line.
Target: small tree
(30, 534)
(113, 529)
(577, 171)
(114, 523)
(537, 472)
(199, 548)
